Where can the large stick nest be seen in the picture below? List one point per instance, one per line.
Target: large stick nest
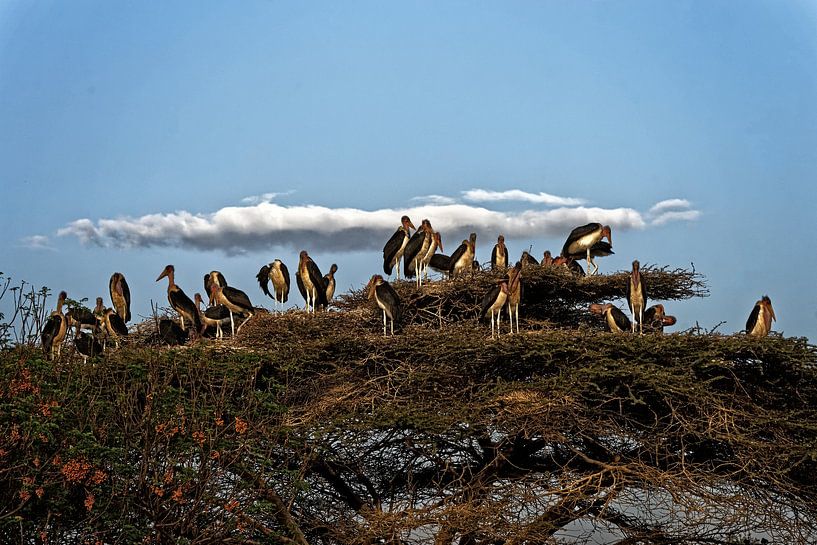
(550, 293)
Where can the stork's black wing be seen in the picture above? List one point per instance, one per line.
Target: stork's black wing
(300, 282)
(263, 279)
(391, 248)
(390, 298)
(217, 312)
(237, 297)
(413, 247)
(182, 304)
(50, 331)
(621, 319)
(440, 262)
(489, 300)
(117, 324)
(456, 257)
(753, 318)
(493, 258)
(171, 333)
(316, 278)
(578, 233)
(285, 273)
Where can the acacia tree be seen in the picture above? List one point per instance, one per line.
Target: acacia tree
(319, 430)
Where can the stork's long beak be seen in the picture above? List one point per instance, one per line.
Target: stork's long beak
(164, 273)
(771, 312)
(668, 320)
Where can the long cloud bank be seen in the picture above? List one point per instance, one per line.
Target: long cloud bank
(265, 225)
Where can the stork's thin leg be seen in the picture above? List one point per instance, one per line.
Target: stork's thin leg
(632, 314)
(392, 327)
(384, 323)
(398, 267)
(641, 320)
(181, 317)
(244, 322)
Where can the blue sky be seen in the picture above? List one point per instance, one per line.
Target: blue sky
(222, 135)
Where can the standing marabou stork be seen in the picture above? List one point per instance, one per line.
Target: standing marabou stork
(499, 255)
(54, 330)
(515, 291)
(436, 244)
(394, 248)
(113, 325)
(528, 260)
(213, 316)
(386, 298)
(637, 296)
(236, 302)
(582, 239)
(655, 319)
(416, 248)
(329, 282)
(463, 257)
(277, 273)
(617, 321)
(211, 278)
(179, 300)
(547, 259)
(310, 282)
(120, 295)
(760, 320)
(492, 302)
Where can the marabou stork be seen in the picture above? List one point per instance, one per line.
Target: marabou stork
(515, 291)
(277, 273)
(617, 321)
(213, 316)
(416, 248)
(440, 263)
(394, 248)
(637, 296)
(171, 333)
(386, 298)
(54, 330)
(310, 282)
(760, 320)
(499, 255)
(120, 295)
(655, 319)
(547, 259)
(436, 244)
(582, 239)
(463, 257)
(213, 277)
(492, 302)
(179, 301)
(113, 324)
(236, 302)
(329, 282)
(87, 345)
(528, 260)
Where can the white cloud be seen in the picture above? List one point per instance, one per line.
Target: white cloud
(36, 242)
(670, 210)
(485, 195)
(265, 197)
(264, 225)
(434, 199)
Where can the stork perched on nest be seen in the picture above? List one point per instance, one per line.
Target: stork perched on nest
(179, 300)
(616, 321)
(637, 296)
(120, 295)
(213, 278)
(310, 282)
(277, 273)
(55, 328)
(760, 320)
(499, 255)
(236, 302)
(396, 245)
(582, 239)
(386, 298)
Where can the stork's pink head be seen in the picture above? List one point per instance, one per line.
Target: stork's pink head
(406, 222)
(596, 308)
(375, 281)
(439, 240)
(605, 233)
(668, 320)
(500, 240)
(765, 301)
